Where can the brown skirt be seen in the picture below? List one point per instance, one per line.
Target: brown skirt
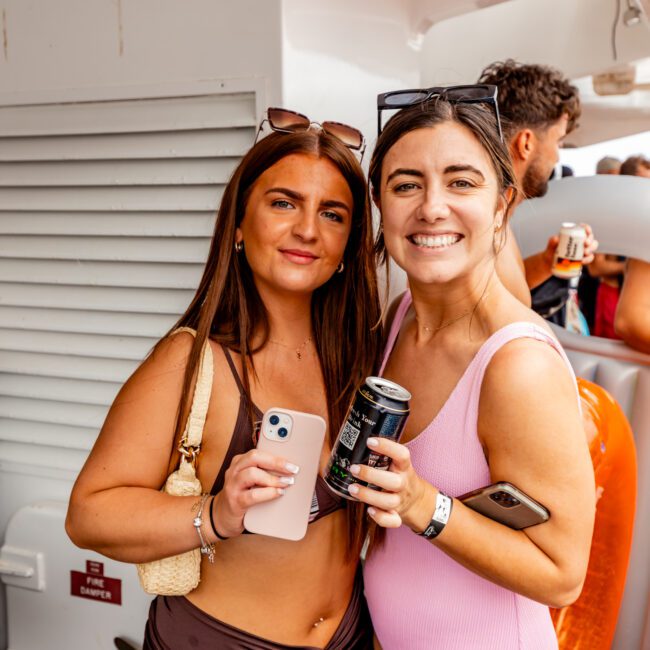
(176, 624)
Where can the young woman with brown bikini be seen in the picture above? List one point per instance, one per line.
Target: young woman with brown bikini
(288, 301)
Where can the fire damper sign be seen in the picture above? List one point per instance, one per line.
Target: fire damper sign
(94, 585)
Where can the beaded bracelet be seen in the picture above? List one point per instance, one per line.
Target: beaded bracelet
(214, 528)
(206, 549)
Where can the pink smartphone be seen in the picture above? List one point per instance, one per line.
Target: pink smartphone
(299, 438)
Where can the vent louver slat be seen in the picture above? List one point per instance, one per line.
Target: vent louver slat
(106, 211)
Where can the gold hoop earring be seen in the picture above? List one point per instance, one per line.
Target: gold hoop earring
(340, 267)
(239, 246)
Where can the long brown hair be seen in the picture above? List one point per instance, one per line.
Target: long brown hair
(482, 123)
(345, 311)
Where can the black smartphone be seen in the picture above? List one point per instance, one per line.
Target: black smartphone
(506, 504)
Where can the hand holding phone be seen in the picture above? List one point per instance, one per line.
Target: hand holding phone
(506, 504)
(299, 438)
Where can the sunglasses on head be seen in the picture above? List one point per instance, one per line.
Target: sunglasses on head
(474, 94)
(286, 121)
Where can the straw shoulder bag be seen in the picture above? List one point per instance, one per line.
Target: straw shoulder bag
(179, 574)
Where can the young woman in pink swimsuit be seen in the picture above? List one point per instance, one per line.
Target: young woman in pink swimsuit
(494, 399)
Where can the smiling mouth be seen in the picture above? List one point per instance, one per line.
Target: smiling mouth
(435, 241)
(298, 256)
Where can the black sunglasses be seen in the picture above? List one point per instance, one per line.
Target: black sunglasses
(286, 121)
(474, 94)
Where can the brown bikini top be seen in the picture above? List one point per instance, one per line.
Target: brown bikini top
(324, 502)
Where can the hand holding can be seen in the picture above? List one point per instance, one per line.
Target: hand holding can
(380, 409)
(570, 251)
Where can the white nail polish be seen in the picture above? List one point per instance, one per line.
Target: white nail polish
(353, 488)
(354, 469)
(280, 491)
(372, 442)
(290, 467)
(287, 480)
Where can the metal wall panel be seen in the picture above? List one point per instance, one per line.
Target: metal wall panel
(106, 212)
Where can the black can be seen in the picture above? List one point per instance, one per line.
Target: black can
(379, 409)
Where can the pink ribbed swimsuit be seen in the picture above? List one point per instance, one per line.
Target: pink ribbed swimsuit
(421, 599)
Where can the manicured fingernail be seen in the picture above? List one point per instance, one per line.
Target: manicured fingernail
(290, 467)
(353, 489)
(373, 442)
(287, 480)
(371, 511)
(280, 491)
(354, 469)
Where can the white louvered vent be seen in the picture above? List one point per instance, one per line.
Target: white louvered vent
(106, 210)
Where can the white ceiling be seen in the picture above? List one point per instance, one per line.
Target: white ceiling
(575, 36)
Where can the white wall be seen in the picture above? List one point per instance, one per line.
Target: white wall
(67, 44)
(338, 55)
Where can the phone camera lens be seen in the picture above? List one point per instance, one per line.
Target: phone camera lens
(504, 499)
(274, 419)
(282, 432)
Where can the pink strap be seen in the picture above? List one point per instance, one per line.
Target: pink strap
(395, 328)
(516, 330)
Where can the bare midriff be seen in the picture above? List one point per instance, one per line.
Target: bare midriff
(294, 593)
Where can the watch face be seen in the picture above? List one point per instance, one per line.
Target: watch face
(443, 508)
(440, 516)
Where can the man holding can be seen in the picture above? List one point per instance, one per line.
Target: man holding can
(538, 108)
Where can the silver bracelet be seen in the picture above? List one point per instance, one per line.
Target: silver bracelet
(206, 549)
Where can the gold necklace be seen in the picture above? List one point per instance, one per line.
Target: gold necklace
(297, 350)
(444, 324)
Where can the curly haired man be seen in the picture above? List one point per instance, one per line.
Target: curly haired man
(538, 108)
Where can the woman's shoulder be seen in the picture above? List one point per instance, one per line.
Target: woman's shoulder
(172, 350)
(508, 315)
(526, 351)
(528, 366)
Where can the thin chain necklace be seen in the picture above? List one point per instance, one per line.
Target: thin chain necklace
(299, 350)
(444, 324)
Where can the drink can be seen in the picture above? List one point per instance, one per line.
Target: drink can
(379, 409)
(570, 251)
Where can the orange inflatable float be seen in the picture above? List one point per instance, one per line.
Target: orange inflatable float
(590, 623)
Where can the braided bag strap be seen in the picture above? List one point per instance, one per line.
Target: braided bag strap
(193, 433)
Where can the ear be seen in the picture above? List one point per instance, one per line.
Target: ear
(503, 200)
(239, 235)
(523, 145)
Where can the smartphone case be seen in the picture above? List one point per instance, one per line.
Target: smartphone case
(527, 513)
(287, 516)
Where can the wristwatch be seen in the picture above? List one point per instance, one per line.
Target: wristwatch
(440, 517)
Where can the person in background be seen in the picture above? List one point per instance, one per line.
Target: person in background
(608, 165)
(636, 166)
(604, 270)
(539, 107)
(632, 319)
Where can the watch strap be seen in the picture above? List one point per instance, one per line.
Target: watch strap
(441, 514)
